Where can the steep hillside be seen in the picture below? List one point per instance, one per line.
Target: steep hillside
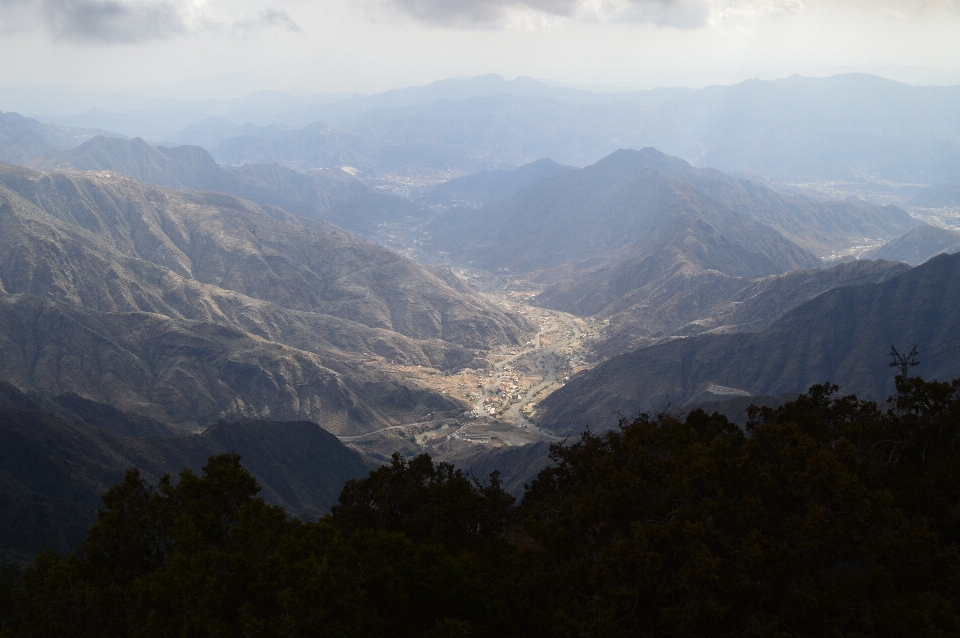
(53, 470)
(314, 146)
(659, 297)
(821, 226)
(73, 221)
(480, 188)
(24, 139)
(331, 195)
(660, 248)
(937, 196)
(843, 336)
(200, 306)
(192, 373)
(612, 210)
(189, 168)
(917, 246)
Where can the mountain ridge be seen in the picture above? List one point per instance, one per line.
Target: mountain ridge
(843, 335)
(53, 470)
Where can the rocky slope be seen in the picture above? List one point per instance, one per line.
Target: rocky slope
(481, 188)
(660, 248)
(661, 297)
(144, 276)
(614, 210)
(818, 225)
(24, 139)
(842, 336)
(918, 245)
(192, 373)
(331, 195)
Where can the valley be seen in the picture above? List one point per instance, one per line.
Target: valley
(502, 388)
(417, 296)
(479, 318)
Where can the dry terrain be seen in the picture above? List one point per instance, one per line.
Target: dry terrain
(503, 389)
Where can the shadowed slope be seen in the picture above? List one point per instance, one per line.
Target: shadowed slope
(843, 335)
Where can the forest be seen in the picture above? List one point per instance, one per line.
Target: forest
(826, 516)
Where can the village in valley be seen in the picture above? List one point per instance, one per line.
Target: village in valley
(502, 388)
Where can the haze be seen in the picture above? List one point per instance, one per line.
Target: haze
(64, 54)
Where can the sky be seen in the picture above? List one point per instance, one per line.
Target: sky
(61, 49)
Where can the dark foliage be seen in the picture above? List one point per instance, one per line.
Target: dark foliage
(829, 516)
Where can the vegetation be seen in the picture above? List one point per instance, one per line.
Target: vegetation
(829, 516)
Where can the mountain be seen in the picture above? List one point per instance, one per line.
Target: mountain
(480, 188)
(209, 132)
(518, 466)
(822, 226)
(629, 193)
(192, 373)
(53, 470)
(192, 307)
(841, 336)
(917, 246)
(921, 162)
(616, 209)
(648, 301)
(462, 89)
(332, 195)
(24, 139)
(150, 123)
(660, 248)
(414, 154)
(793, 129)
(937, 196)
(188, 167)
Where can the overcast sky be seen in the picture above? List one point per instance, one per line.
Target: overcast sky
(234, 47)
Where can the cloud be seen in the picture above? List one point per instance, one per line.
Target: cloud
(112, 20)
(128, 21)
(479, 12)
(682, 14)
(268, 18)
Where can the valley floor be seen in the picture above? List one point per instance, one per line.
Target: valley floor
(506, 384)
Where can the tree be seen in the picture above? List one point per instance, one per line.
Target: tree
(830, 518)
(827, 516)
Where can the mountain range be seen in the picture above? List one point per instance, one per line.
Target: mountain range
(628, 196)
(481, 188)
(917, 246)
(332, 195)
(662, 305)
(661, 248)
(842, 336)
(190, 307)
(24, 139)
(794, 129)
(220, 291)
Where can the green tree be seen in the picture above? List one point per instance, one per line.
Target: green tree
(817, 524)
(827, 516)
